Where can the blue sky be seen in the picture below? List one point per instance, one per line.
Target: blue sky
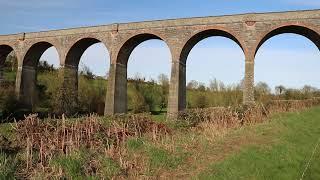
(286, 59)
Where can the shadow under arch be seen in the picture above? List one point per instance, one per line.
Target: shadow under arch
(195, 39)
(293, 29)
(35, 52)
(8, 84)
(28, 88)
(69, 94)
(117, 88)
(5, 50)
(8, 81)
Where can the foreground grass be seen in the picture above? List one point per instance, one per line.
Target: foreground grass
(279, 149)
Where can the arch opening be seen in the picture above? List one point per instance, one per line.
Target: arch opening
(5, 50)
(8, 70)
(222, 86)
(8, 64)
(286, 65)
(148, 76)
(118, 97)
(86, 69)
(292, 29)
(77, 50)
(131, 44)
(203, 35)
(33, 55)
(39, 78)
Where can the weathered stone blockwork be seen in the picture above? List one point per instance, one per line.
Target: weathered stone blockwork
(249, 31)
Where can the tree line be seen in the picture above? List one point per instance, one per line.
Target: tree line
(143, 95)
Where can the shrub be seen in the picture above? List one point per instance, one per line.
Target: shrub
(138, 102)
(201, 101)
(8, 102)
(237, 116)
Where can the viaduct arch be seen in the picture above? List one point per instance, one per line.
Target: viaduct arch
(118, 72)
(69, 91)
(5, 50)
(178, 85)
(28, 76)
(249, 31)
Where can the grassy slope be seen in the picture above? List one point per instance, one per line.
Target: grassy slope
(278, 149)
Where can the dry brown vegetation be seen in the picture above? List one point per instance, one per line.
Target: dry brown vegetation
(125, 146)
(42, 140)
(235, 116)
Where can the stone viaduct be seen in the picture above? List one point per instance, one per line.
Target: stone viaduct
(249, 31)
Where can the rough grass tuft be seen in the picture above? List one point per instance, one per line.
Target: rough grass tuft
(8, 166)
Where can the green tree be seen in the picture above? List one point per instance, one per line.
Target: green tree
(201, 101)
(280, 89)
(139, 103)
(201, 87)
(193, 84)
(86, 72)
(262, 88)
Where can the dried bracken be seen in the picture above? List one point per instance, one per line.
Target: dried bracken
(236, 116)
(49, 138)
(41, 141)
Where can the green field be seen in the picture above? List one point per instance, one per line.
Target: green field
(279, 149)
(276, 149)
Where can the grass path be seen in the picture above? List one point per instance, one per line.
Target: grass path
(277, 149)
